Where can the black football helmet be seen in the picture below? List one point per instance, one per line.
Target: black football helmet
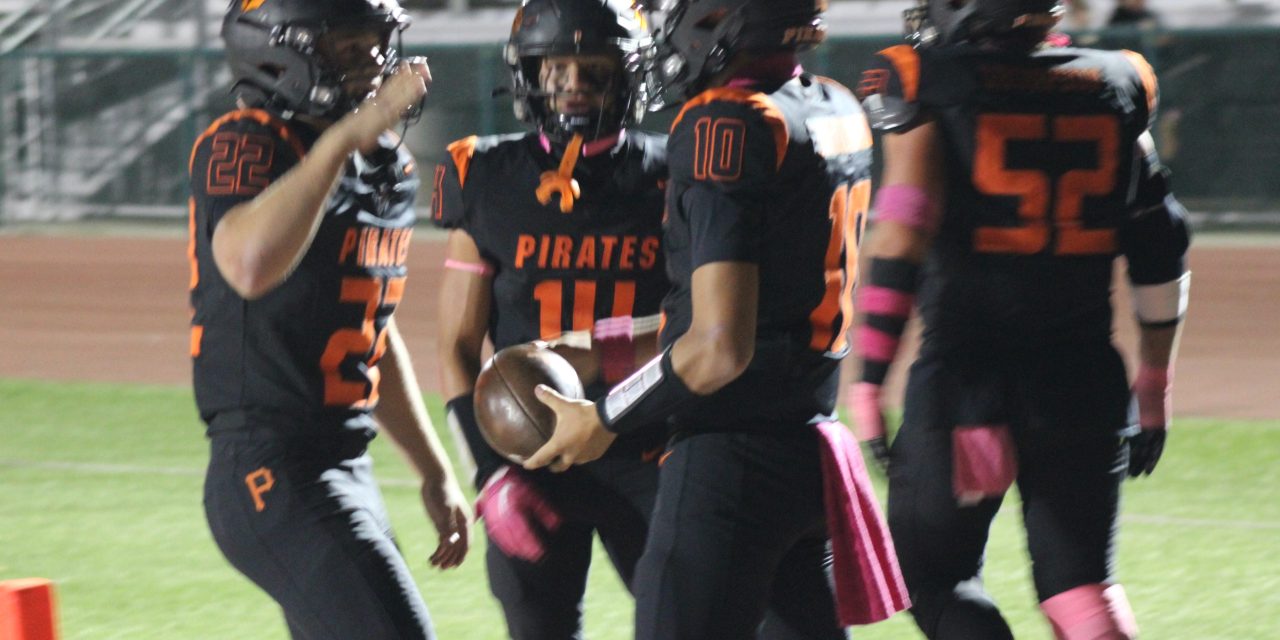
(577, 27)
(696, 39)
(276, 58)
(942, 22)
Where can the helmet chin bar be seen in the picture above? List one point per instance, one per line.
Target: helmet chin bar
(534, 105)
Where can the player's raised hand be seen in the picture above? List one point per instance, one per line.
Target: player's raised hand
(579, 435)
(391, 103)
(451, 516)
(868, 421)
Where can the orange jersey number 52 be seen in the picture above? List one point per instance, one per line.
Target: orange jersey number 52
(992, 176)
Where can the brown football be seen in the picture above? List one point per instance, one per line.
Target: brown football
(512, 419)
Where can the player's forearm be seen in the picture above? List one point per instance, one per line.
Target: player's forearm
(403, 415)
(885, 298)
(721, 340)
(459, 367)
(461, 332)
(1157, 346)
(258, 243)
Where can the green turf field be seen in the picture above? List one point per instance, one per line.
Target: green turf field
(100, 489)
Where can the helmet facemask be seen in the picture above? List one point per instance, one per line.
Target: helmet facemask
(603, 38)
(568, 94)
(354, 61)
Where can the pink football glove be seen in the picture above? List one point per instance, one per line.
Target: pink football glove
(512, 508)
(868, 421)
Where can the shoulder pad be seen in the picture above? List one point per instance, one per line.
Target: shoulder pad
(461, 151)
(888, 114)
(733, 103)
(1148, 84)
(889, 89)
(250, 122)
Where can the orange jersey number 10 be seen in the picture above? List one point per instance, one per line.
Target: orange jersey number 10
(992, 176)
(848, 213)
(368, 343)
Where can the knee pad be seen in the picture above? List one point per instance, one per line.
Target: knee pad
(1091, 612)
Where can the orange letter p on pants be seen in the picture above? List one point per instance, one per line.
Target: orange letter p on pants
(259, 482)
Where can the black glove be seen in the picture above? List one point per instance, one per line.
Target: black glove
(1145, 447)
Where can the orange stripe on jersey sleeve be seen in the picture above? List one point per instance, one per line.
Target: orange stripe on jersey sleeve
(758, 101)
(1148, 75)
(906, 61)
(257, 115)
(462, 151)
(191, 244)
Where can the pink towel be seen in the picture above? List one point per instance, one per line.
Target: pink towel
(983, 462)
(869, 585)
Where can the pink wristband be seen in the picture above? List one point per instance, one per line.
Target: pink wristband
(617, 347)
(478, 268)
(907, 205)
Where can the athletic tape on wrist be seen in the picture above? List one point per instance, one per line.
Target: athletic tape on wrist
(1162, 304)
(886, 301)
(647, 397)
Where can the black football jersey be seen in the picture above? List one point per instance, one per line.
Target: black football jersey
(557, 272)
(778, 176)
(308, 350)
(1043, 186)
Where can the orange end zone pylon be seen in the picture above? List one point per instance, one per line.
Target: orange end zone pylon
(28, 610)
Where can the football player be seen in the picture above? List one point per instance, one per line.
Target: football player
(1015, 173)
(301, 215)
(769, 187)
(555, 235)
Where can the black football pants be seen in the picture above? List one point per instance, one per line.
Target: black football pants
(310, 528)
(611, 497)
(1068, 480)
(738, 544)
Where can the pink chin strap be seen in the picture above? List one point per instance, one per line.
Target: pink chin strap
(595, 147)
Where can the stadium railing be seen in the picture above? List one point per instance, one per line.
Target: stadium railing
(91, 133)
